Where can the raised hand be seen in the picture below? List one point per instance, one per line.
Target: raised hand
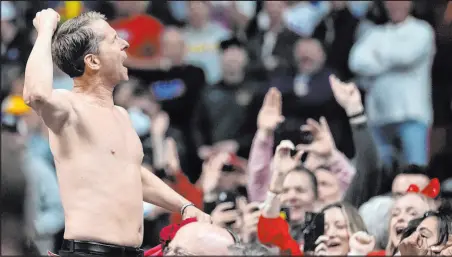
(46, 20)
(270, 114)
(211, 172)
(445, 249)
(323, 144)
(321, 249)
(413, 245)
(361, 243)
(251, 213)
(347, 95)
(222, 214)
(229, 146)
(172, 157)
(283, 162)
(159, 124)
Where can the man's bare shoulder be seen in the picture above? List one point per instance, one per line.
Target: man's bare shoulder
(122, 110)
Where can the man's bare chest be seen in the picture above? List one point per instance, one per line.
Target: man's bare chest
(110, 132)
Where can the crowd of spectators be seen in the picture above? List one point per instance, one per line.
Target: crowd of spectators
(215, 86)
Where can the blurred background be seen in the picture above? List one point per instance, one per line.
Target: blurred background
(199, 71)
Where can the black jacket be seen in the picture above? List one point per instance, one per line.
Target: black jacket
(337, 33)
(221, 114)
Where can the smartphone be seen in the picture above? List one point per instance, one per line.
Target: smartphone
(228, 197)
(315, 224)
(285, 213)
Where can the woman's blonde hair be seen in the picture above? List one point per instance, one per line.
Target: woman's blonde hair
(354, 221)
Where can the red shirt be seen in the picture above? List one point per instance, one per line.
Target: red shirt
(143, 34)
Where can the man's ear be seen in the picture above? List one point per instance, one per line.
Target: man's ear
(92, 62)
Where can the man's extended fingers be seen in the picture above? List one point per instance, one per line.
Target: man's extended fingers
(220, 159)
(241, 203)
(277, 99)
(274, 97)
(298, 155)
(314, 124)
(283, 149)
(321, 239)
(307, 128)
(324, 124)
(224, 206)
(321, 249)
(267, 100)
(304, 147)
(231, 215)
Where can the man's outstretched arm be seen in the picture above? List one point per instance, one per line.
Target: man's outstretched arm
(50, 104)
(155, 191)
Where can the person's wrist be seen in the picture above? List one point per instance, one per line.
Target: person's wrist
(328, 155)
(264, 133)
(45, 32)
(185, 207)
(157, 136)
(277, 181)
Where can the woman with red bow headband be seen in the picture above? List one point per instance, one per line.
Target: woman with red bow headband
(408, 207)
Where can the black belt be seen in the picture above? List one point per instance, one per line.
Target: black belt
(74, 246)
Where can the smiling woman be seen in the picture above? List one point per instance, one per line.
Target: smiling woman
(342, 220)
(405, 209)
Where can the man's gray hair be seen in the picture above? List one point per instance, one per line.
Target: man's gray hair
(252, 249)
(73, 40)
(376, 214)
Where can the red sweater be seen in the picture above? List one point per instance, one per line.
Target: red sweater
(275, 231)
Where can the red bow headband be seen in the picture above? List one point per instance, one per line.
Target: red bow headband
(166, 235)
(431, 190)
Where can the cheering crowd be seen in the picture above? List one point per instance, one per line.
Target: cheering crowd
(301, 127)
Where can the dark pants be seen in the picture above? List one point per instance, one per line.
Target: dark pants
(85, 248)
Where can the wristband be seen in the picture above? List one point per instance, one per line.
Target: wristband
(185, 207)
(358, 119)
(357, 114)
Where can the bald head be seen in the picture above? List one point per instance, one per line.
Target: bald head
(173, 46)
(200, 239)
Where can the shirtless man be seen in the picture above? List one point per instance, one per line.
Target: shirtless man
(97, 153)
